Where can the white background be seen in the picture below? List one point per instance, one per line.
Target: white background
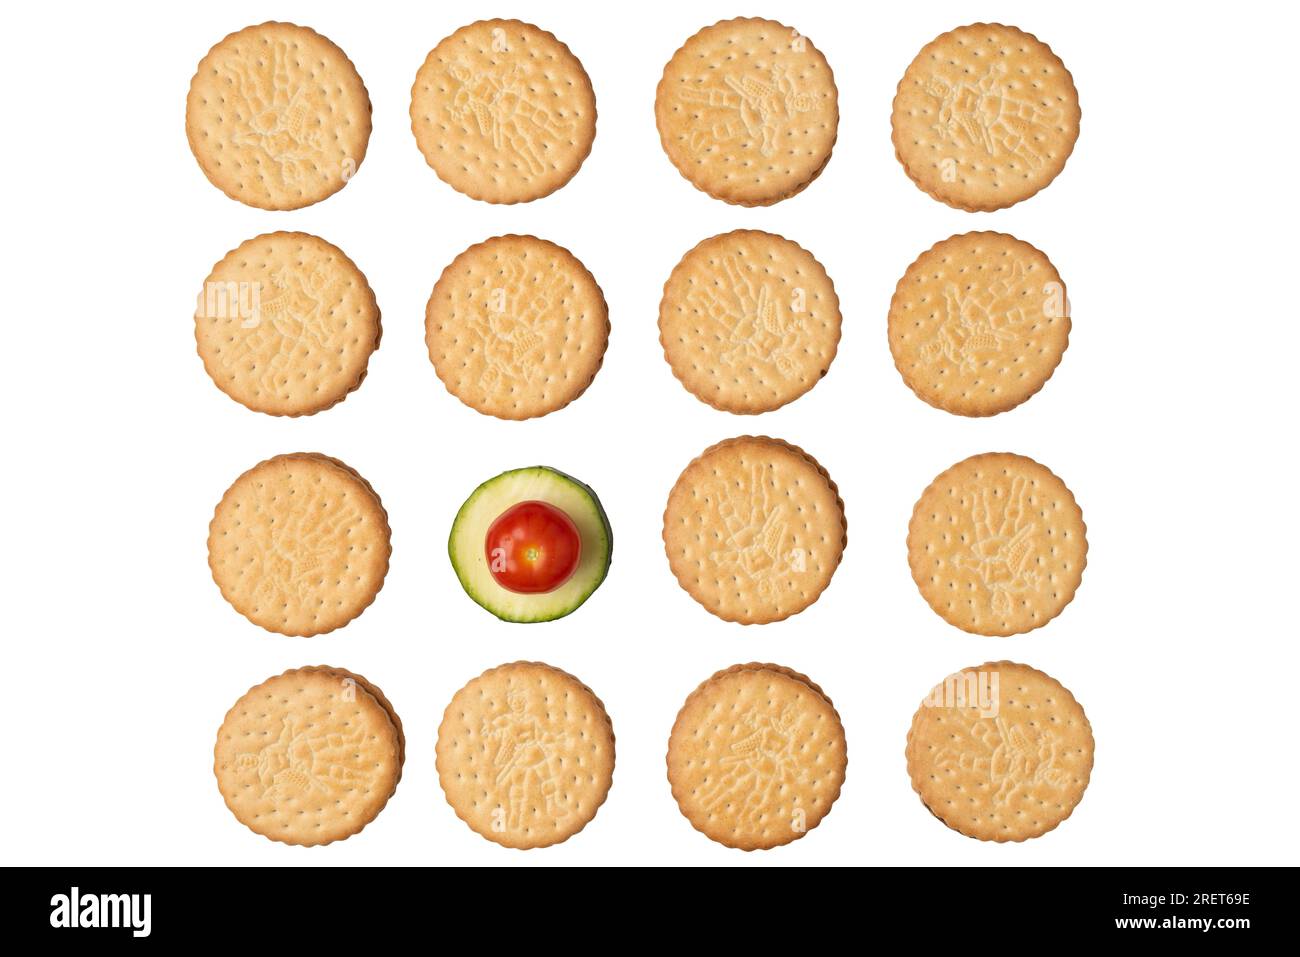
(1172, 418)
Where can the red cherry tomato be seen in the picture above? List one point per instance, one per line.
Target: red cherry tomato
(532, 547)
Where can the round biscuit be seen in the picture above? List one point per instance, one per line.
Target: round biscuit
(286, 323)
(749, 321)
(525, 755)
(1000, 752)
(985, 116)
(754, 529)
(997, 545)
(277, 116)
(503, 111)
(308, 757)
(979, 323)
(516, 327)
(299, 544)
(756, 757)
(748, 111)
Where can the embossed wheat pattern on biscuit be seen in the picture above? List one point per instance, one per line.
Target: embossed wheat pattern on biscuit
(299, 763)
(527, 759)
(1003, 542)
(238, 710)
(501, 106)
(301, 543)
(292, 318)
(451, 718)
(513, 326)
(756, 325)
(759, 769)
(756, 531)
(1011, 756)
(755, 112)
(682, 792)
(276, 117)
(948, 196)
(989, 118)
(977, 322)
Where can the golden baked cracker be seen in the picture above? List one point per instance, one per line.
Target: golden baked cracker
(756, 756)
(997, 545)
(748, 111)
(749, 321)
(380, 698)
(277, 116)
(979, 323)
(516, 327)
(503, 111)
(754, 529)
(985, 116)
(1000, 752)
(525, 755)
(286, 324)
(308, 757)
(299, 544)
